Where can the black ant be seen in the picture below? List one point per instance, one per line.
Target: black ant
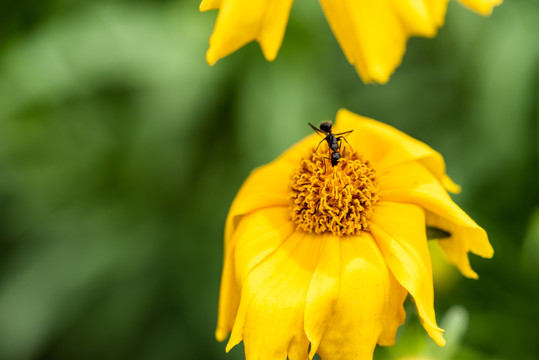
(333, 140)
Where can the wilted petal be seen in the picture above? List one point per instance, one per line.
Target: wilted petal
(399, 230)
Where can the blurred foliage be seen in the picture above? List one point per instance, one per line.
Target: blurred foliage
(121, 150)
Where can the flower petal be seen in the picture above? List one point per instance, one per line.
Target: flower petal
(382, 144)
(323, 292)
(437, 10)
(270, 316)
(229, 298)
(416, 16)
(386, 146)
(483, 7)
(242, 21)
(412, 183)
(371, 35)
(353, 300)
(206, 5)
(258, 235)
(272, 31)
(266, 186)
(399, 230)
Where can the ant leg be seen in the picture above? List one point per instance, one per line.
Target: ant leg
(321, 141)
(340, 138)
(344, 152)
(339, 141)
(325, 168)
(344, 133)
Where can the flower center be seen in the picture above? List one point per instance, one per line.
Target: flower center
(335, 199)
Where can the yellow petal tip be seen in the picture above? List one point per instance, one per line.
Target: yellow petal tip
(483, 7)
(488, 254)
(313, 350)
(470, 274)
(270, 52)
(221, 335)
(380, 75)
(234, 340)
(440, 341)
(450, 185)
(211, 59)
(436, 334)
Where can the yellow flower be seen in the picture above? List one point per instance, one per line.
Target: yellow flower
(372, 34)
(321, 258)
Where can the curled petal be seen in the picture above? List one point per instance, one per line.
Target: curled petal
(270, 316)
(412, 183)
(382, 144)
(386, 146)
(353, 300)
(242, 21)
(399, 230)
(464, 238)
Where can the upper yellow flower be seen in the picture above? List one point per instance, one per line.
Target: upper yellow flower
(320, 257)
(372, 33)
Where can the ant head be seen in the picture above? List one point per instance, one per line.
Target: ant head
(325, 126)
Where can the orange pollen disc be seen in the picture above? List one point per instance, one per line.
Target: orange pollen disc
(336, 199)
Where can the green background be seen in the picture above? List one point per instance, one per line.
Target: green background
(121, 151)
